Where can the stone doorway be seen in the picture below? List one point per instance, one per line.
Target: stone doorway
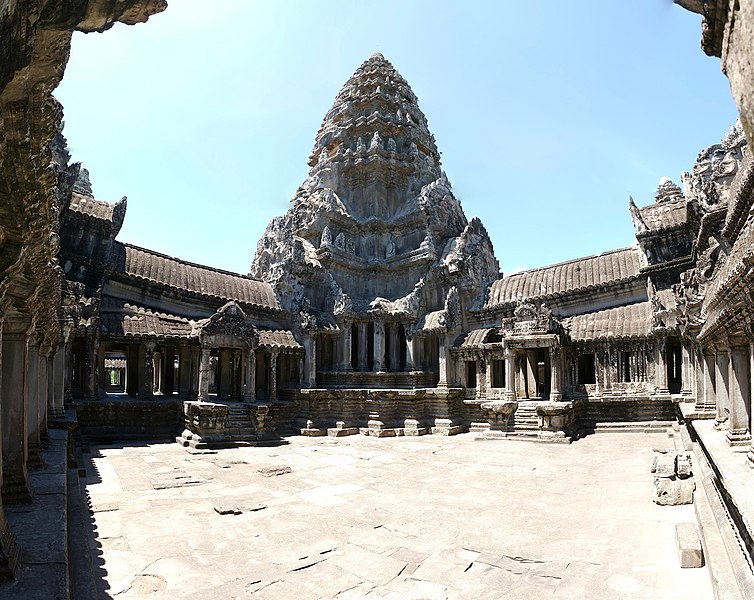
(534, 373)
(674, 362)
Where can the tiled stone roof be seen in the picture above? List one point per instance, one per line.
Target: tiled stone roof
(663, 215)
(581, 274)
(89, 206)
(137, 322)
(473, 339)
(269, 339)
(634, 320)
(150, 266)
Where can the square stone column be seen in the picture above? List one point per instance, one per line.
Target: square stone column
(750, 455)
(204, 369)
(687, 370)
(363, 348)
(738, 387)
(62, 376)
(250, 375)
(132, 370)
(184, 371)
(345, 347)
(193, 386)
(395, 349)
(510, 377)
(555, 377)
(409, 340)
(168, 370)
(13, 395)
(67, 368)
(101, 383)
(146, 367)
(51, 384)
(10, 553)
(310, 361)
(91, 360)
(661, 368)
(236, 383)
(531, 374)
(379, 347)
(486, 364)
(273, 378)
(721, 388)
(445, 361)
(708, 388)
(32, 398)
(44, 390)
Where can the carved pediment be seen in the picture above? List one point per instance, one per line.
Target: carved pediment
(229, 321)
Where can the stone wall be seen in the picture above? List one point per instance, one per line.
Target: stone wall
(132, 420)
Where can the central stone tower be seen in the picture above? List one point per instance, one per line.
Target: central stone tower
(375, 237)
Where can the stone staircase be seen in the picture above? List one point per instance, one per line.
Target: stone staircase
(239, 424)
(525, 420)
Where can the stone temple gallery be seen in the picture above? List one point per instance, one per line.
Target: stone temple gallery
(374, 306)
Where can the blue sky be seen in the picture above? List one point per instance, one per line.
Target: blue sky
(548, 114)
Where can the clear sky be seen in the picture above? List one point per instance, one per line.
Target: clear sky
(548, 114)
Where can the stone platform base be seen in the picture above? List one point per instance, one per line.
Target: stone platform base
(557, 437)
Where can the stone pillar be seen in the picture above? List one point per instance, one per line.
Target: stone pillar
(510, 378)
(101, 382)
(379, 348)
(555, 368)
(67, 368)
(687, 386)
(32, 399)
(62, 378)
(738, 386)
(709, 379)
(395, 351)
(194, 369)
(310, 361)
(168, 370)
(363, 346)
(409, 340)
(132, 370)
(91, 360)
(44, 390)
(750, 455)
(345, 347)
(51, 384)
(250, 379)
(273, 378)
(158, 361)
(721, 388)
(661, 368)
(236, 383)
(15, 485)
(184, 371)
(224, 376)
(444, 362)
(204, 368)
(531, 374)
(487, 366)
(147, 379)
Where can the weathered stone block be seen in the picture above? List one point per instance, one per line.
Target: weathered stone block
(672, 491)
(664, 465)
(689, 546)
(683, 465)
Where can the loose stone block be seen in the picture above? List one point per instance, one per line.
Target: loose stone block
(689, 546)
(672, 491)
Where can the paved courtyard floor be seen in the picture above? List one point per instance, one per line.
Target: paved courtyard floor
(402, 518)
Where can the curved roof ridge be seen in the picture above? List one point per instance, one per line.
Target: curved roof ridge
(189, 263)
(572, 260)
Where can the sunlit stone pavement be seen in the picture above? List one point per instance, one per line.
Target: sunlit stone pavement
(401, 518)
